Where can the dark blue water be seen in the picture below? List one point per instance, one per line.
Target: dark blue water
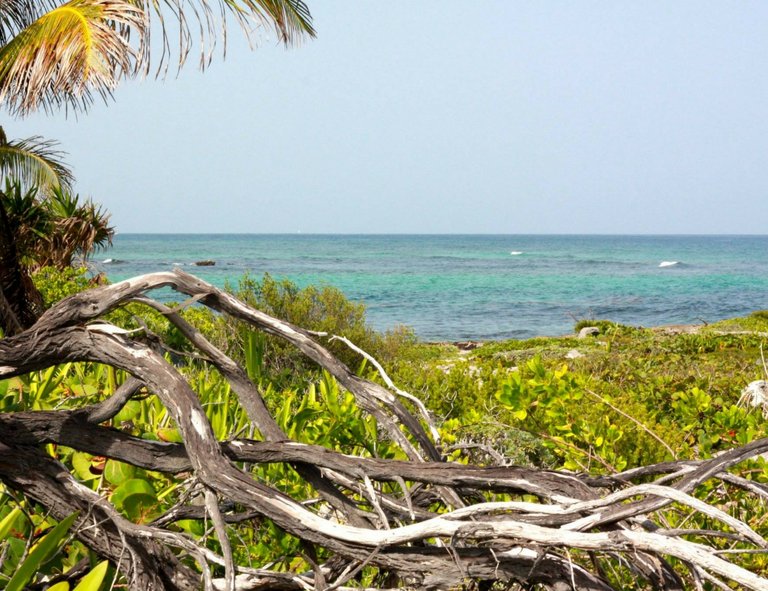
(485, 287)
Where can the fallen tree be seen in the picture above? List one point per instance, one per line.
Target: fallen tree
(437, 525)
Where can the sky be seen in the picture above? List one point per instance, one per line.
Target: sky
(471, 116)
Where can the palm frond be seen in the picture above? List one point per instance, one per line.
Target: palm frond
(291, 18)
(77, 229)
(14, 16)
(34, 161)
(69, 54)
(82, 49)
(205, 22)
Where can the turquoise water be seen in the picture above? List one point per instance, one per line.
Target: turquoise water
(474, 287)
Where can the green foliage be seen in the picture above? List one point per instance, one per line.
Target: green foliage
(323, 309)
(93, 580)
(605, 326)
(551, 401)
(757, 321)
(39, 554)
(634, 397)
(34, 547)
(54, 227)
(55, 284)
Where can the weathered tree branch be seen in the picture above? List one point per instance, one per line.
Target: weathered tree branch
(559, 541)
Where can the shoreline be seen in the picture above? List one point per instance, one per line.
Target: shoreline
(468, 345)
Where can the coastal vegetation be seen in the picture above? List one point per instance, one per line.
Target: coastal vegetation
(266, 437)
(649, 431)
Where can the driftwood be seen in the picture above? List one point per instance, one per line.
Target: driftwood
(444, 537)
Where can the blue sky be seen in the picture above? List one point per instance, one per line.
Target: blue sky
(448, 117)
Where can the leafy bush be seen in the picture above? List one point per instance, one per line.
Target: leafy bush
(603, 325)
(55, 284)
(756, 321)
(323, 309)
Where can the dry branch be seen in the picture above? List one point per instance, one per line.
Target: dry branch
(432, 530)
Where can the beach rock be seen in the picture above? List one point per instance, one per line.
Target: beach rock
(467, 345)
(574, 354)
(205, 263)
(589, 331)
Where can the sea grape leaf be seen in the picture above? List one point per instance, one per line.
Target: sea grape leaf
(82, 462)
(129, 412)
(169, 434)
(134, 496)
(118, 472)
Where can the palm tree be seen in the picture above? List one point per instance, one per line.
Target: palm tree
(33, 161)
(64, 55)
(29, 169)
(74, 230)
(20, 217)
(54, 55)
(38, 230)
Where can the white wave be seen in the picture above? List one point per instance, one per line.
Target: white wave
(107, 261)
(178, 264)
(668, 263)
(514, 253)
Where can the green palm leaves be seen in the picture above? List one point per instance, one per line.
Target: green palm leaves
(53, 230)
(34, 161)
(66, 55)
(69, 53)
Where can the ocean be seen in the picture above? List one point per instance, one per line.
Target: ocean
(482, 287)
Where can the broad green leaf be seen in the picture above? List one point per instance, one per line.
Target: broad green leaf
(63, 586)
(169, 434)
(92, 581)
(134, 486)
(118, 472)
(134, 496)
(191, 526)
(7, 523)
(520, 414)
(82, 462)
(40, 553)
(83, 389)
(129, 412)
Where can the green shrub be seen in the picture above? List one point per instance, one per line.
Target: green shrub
(607, 327)
(323, 309)
(55, 285)
(757, 321)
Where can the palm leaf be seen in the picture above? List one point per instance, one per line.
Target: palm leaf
(69, 54)
(291, 18)
(16, 15)
(76, 229)
(33, 161)
(82, 49)
(205, 21)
